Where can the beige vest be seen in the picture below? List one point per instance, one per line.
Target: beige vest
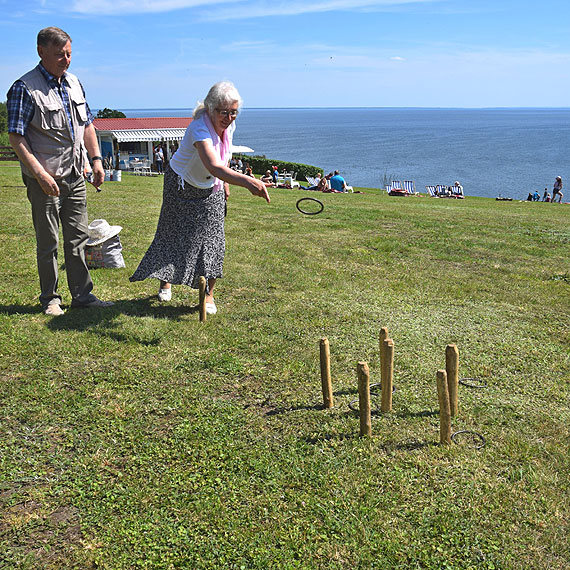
(48, 133)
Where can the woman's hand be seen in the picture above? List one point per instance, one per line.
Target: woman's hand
(212, 164)
(258, 188)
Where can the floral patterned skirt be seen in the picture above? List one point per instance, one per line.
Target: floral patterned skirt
(189, 240)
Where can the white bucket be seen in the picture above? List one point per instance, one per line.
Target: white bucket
(107, 175)
(116, 175)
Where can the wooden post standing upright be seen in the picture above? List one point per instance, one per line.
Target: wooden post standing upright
(444, 408)
(382, 337)
(387, 375)
(202, 298)
(452, 370)
(328, 400)
(364, 399)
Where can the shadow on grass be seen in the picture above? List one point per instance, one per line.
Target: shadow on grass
(103, 321)
(387, 447)
(20, 309)
(279, 411)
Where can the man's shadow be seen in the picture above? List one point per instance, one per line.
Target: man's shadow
(104, 321)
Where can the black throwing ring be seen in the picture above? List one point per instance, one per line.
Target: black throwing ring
(473, 382)
(476, 439)
(312, 200)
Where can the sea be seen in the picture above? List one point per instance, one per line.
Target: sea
(491, 152)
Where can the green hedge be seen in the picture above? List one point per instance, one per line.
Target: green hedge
(260, 164)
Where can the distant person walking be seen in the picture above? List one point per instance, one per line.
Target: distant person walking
(50, 126)
(159, 158)
(189, 240)
(557, 190)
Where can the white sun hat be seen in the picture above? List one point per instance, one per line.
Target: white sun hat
(100, 231)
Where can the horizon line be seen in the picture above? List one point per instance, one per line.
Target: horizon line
(357, 108)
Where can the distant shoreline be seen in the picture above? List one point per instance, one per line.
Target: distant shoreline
(146, 109)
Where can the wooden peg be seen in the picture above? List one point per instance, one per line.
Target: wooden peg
(202, 298)
(387, 375)
(452, 370)
(364, 399)
(328, 400)
(444, 409)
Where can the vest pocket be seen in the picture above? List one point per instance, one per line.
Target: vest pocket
(81, 112)
(53, 116)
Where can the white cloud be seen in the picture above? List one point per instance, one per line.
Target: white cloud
(133, 7)
(233, 9)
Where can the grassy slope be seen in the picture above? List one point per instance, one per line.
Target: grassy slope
(137, 437)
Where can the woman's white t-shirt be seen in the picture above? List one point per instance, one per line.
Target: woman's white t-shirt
(186, 161)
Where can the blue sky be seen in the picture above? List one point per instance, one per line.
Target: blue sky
(304, 53)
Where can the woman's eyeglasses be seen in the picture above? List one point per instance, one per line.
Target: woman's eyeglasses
(228, 113)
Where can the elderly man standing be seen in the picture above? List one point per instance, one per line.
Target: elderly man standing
(50, 127)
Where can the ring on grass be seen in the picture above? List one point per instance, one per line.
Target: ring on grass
(473, 382)
(476, 439)
(373, 392)
(308, 212)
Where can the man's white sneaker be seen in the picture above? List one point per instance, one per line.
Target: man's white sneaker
(164, 294)
(54, 310)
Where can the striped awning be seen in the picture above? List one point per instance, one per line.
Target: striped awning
(133, 135)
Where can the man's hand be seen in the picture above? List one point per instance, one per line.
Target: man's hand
(48, 184)
(98, 174)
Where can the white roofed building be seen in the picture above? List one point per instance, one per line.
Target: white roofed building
(135, 138)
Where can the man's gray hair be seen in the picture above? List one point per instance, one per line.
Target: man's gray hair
(53, 36)
(221, 94)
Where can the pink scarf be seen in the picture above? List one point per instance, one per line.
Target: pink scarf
(222, 147)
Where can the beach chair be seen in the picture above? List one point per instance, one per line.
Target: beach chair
(441, 190)
(431, 191)
(311, 180)
(409, 186)
(396, 189)
(145, 168)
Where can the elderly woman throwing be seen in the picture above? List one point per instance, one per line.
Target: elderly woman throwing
(189, 240)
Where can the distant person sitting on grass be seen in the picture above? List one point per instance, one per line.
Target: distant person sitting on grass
(328, 187)
(536, 196)
(315, 186)
(338, 183)
(267, 179)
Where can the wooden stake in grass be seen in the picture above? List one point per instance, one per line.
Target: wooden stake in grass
(364, 399)
(202, 298)
(382, 337)
(444, 411)
(387, 375)
(452, 370)
(328, 400)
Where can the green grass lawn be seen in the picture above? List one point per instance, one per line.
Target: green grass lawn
(137, 437)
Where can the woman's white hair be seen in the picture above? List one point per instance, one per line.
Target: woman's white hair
(221, 94)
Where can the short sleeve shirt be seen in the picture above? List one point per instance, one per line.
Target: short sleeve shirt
(186, 161)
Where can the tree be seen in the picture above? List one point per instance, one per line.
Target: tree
(3, 117)
(110, 114)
